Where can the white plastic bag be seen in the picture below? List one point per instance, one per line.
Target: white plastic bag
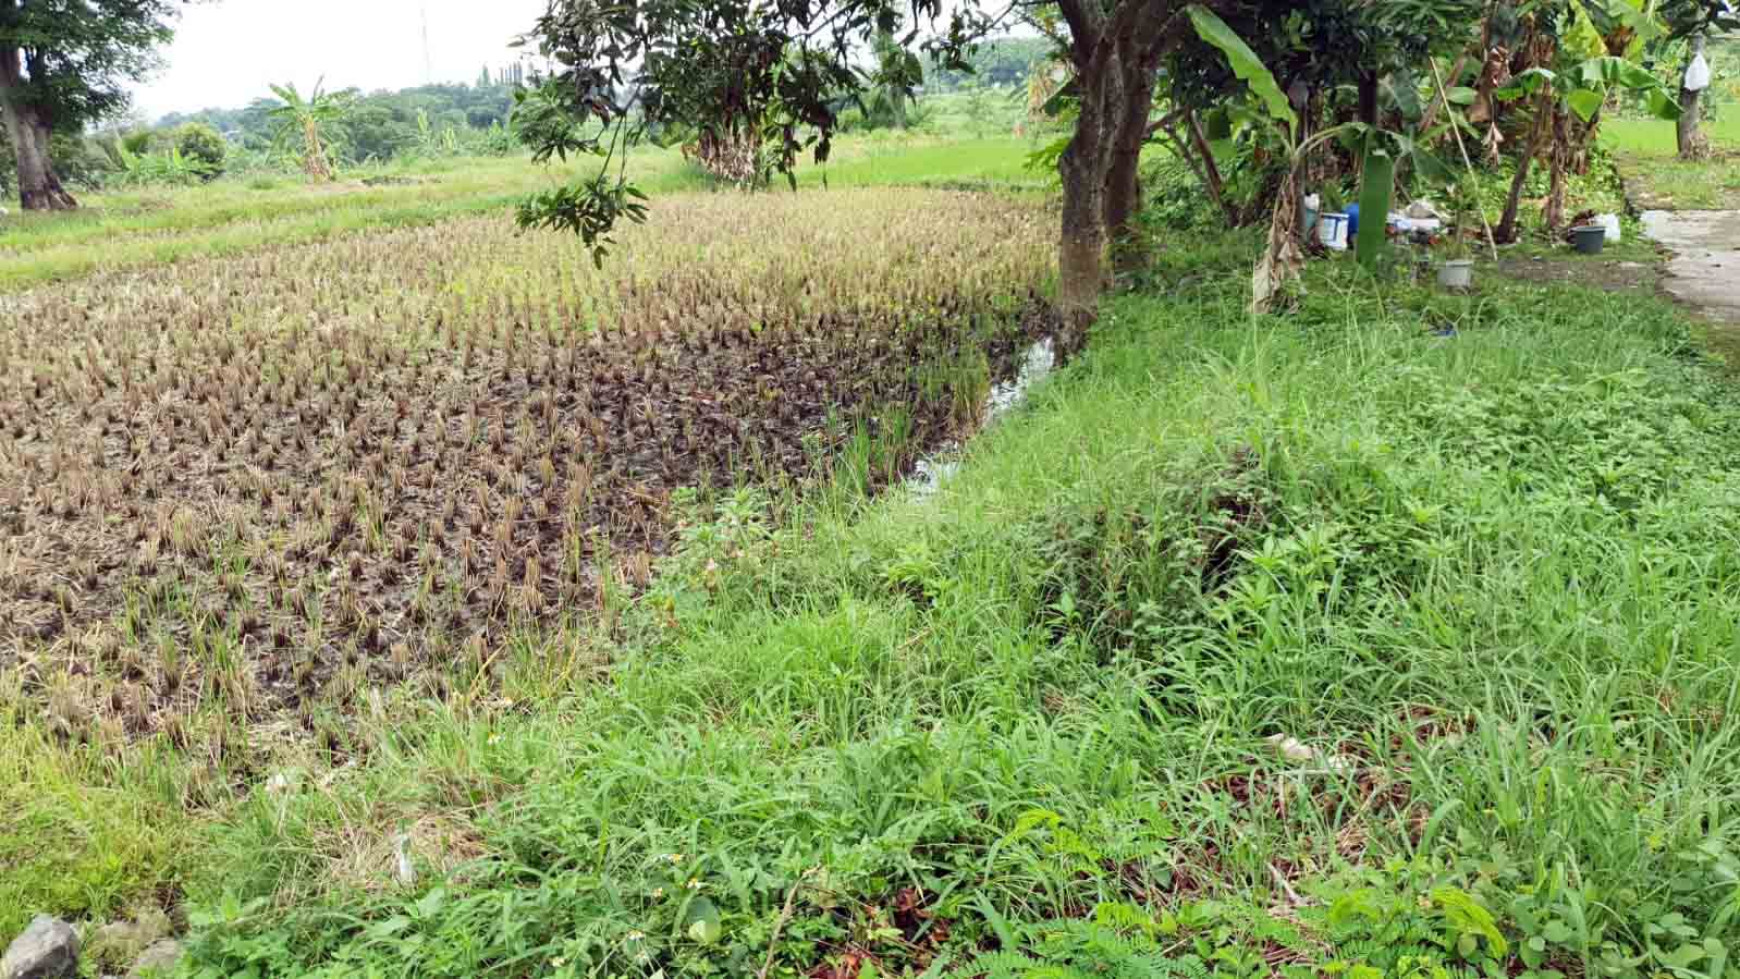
(1423, 209)
(1609, 223)
(1698, 75)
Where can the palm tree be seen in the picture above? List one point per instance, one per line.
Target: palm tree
(303, 118)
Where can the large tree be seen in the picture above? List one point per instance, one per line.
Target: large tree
(629, 68)
(63, 65)
(1695, 21)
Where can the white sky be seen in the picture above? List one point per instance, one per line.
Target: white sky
(226, 52)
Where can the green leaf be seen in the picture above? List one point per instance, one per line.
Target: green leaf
(1525, 83)
(1462, 95)
(703, 921)
(1374, 203)
(431, 903)
(1662, 105)
(1616, 72)
(1463, 912)
(999, 925)
(1243, 61)
(1585, 103)
(1717, 956)
(390, 927)
(1681, 957)
(1217, 125)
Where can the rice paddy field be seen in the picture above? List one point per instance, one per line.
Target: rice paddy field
(235, 488)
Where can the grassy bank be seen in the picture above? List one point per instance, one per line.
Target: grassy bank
(1471, 561)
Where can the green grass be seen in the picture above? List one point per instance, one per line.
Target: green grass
(986, 161)
(1655, 137)
(82, 838)
(1490, 579)
(146, 227)
(1647, 150)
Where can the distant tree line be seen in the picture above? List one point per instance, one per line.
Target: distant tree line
(378, 125)
(1002, 62)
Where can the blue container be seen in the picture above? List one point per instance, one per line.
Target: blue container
(1352, 220)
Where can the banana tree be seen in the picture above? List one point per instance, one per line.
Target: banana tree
(307, 120)
(1282, 258)
(1580, 91)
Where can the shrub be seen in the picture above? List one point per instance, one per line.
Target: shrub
(200, 143)
(141, 141)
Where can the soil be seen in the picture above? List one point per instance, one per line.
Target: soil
(1621, 276)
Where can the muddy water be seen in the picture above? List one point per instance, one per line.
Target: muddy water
(936, 469)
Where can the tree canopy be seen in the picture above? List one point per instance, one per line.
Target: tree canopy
(380, 124)
(638, 67)
(63, 65)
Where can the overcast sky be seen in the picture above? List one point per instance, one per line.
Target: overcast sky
(226, 52)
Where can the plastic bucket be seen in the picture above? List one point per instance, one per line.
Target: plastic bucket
(1456, 274)
(1332, 231)
(1589, 239)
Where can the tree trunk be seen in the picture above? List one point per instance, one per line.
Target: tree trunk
(1282, 258)
(39, 188)
(1084, 166)
(1114, 49)
(1693, 144)
(1367, 109)
(1123, 194)
(1211, 177)
(1553, 214)
(1081, 249)
(1506, 231)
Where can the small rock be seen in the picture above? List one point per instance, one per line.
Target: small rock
(1291, 749)
(48, 949)
(158, 960)
(117, 943)
(1294, 750)
(121, 937)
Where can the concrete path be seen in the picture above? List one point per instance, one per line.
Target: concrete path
(1705, 269)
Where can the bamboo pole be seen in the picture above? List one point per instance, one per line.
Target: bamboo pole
(1456, 130)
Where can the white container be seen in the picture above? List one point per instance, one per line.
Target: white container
(1610, 223)
(1456, 273)
(1332, 231)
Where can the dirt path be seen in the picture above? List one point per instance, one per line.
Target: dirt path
(1704, 271)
